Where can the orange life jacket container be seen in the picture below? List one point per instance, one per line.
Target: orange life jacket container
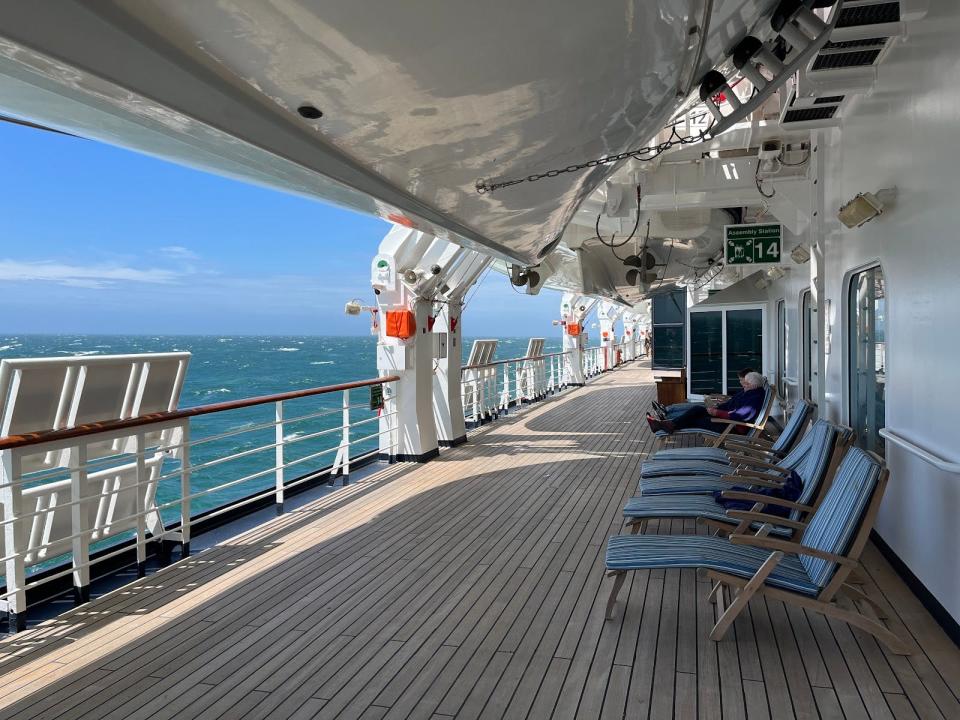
(401, 324)
(573, 329)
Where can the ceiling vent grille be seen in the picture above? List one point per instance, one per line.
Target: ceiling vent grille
(854, 58)
(877, 42)
(860, 15)
(811, 113)
(829, 100)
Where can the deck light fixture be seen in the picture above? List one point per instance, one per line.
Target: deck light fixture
(865, 207)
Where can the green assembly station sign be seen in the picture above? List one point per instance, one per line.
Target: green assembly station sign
(752, 244)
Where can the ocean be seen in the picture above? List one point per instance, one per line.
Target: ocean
(233, 367)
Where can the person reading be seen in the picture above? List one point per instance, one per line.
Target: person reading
(670, 412)
(742, 407)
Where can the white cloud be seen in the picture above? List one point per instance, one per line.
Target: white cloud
(179, 252)
(85, 276)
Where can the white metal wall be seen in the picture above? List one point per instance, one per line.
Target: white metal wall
(905, 134)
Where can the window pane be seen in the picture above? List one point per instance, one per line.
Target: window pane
(706, 353)
(669, 307)
(668, 346)
(867, 306)
(669, 317)
(744, 344)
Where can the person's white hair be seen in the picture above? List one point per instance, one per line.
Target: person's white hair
(755, 379)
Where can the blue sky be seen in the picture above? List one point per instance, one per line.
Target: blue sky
(96, 239)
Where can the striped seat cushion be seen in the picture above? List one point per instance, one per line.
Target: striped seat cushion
(684, 506)
(684, 485)
(835, 523)
(693, 453)
(660, 468)
(639, 552)
(686, 431)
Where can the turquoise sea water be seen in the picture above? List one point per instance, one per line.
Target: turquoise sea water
(233, 367)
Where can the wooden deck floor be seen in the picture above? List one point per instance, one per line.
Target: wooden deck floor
(471, 586)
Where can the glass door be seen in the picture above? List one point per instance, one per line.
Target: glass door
(722, 342)
(706, 353)
(744, 344)
(868, 355)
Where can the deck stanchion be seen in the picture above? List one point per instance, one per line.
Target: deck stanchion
(14, 537)
(343, 454)
(80, 542)
(185, 492)
(278, 451)
(139, 445)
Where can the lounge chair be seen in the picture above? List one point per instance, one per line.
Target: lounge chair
(744, 445)
(813, 467)
(751, 429)
(810, 571)
(743, 466)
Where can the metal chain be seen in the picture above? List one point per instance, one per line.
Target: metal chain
(644, 154)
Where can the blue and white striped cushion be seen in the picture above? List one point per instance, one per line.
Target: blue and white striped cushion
(791, 431)
(637, 552)
(683, 485)
(686, 431)
(814, 465)
(659, 468)
(839, 516)
(693, 453)
(685, 506)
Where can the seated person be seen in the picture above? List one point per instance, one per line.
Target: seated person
(669, 412)
(743, 407)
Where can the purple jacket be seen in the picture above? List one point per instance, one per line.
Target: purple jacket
(745, 405)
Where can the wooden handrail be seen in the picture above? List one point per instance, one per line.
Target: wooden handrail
(510, 360)
(35, 438)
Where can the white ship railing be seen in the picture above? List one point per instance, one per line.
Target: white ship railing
(492, 388)
(94, 509)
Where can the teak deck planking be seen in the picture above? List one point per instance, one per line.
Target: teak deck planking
(471, 586)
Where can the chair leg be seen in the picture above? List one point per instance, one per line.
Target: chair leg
(743, 596)
(896, 644)
(857, 595)
(619, 577)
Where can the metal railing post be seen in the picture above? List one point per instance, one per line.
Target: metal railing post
(14, 537)
(345, 440)
(278, 456)
(139, 444)
(79, 542)
(185, 492)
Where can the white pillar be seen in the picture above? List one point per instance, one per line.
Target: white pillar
(447, 399)
(408, 409)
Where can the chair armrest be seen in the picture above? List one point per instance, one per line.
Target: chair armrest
(777, 544)
(728, 421)
(765, 499)
(762, 517)
(756, 442)
(747, 460)
(771, 481)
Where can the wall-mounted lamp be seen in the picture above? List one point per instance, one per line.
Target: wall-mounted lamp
(865, 207)
(800, 254)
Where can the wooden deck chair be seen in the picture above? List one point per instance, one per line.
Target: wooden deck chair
(811, 461)
(716, 439)
(742, 444)
(809, 571)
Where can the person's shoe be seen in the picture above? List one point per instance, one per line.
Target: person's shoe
(660, 408)
(653, 423)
